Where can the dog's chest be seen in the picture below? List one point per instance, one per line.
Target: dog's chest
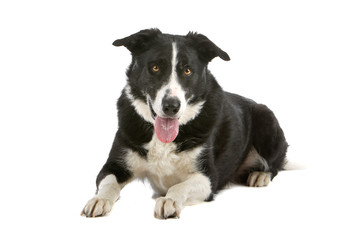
(164, 167)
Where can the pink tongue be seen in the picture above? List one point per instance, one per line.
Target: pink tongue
(166, 129)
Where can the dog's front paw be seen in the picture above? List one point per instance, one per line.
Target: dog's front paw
(97, 207)
(167, 208)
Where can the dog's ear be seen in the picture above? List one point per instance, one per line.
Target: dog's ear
(206, 48)
(139, 42)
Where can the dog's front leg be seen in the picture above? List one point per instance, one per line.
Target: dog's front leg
(111, 179)
(195, 189)
(107, 194)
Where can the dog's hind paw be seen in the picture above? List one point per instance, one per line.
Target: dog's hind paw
(166, 208)
(97, 207)
(259, 179)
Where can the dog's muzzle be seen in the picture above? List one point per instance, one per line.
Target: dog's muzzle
(167, 126)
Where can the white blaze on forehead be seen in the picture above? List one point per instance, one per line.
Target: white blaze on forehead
(172, 88)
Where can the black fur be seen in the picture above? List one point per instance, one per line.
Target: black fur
(228, 124)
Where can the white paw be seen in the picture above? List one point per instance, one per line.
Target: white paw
(259, 179)
(167, 208)
(97, 207)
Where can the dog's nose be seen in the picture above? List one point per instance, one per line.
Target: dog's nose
(171, 106)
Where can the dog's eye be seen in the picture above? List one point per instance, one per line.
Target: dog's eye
(155, 68)
(187, 71)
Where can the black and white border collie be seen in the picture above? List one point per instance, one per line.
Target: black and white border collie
(179, 130)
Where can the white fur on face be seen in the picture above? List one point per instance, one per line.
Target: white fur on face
(140, 106)
(173, 88)
(191, 111)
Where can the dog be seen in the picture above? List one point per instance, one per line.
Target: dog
(181, 131)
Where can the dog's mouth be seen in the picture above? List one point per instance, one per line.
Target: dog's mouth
(153, 113)
(166, 128)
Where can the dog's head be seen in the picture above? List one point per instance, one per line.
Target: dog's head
(167, 77)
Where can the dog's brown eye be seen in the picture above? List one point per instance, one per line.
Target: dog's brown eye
(187, 72)
(155, 68)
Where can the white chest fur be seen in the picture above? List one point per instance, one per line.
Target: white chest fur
(164, 167)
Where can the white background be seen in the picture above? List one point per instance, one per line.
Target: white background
(60, 78)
